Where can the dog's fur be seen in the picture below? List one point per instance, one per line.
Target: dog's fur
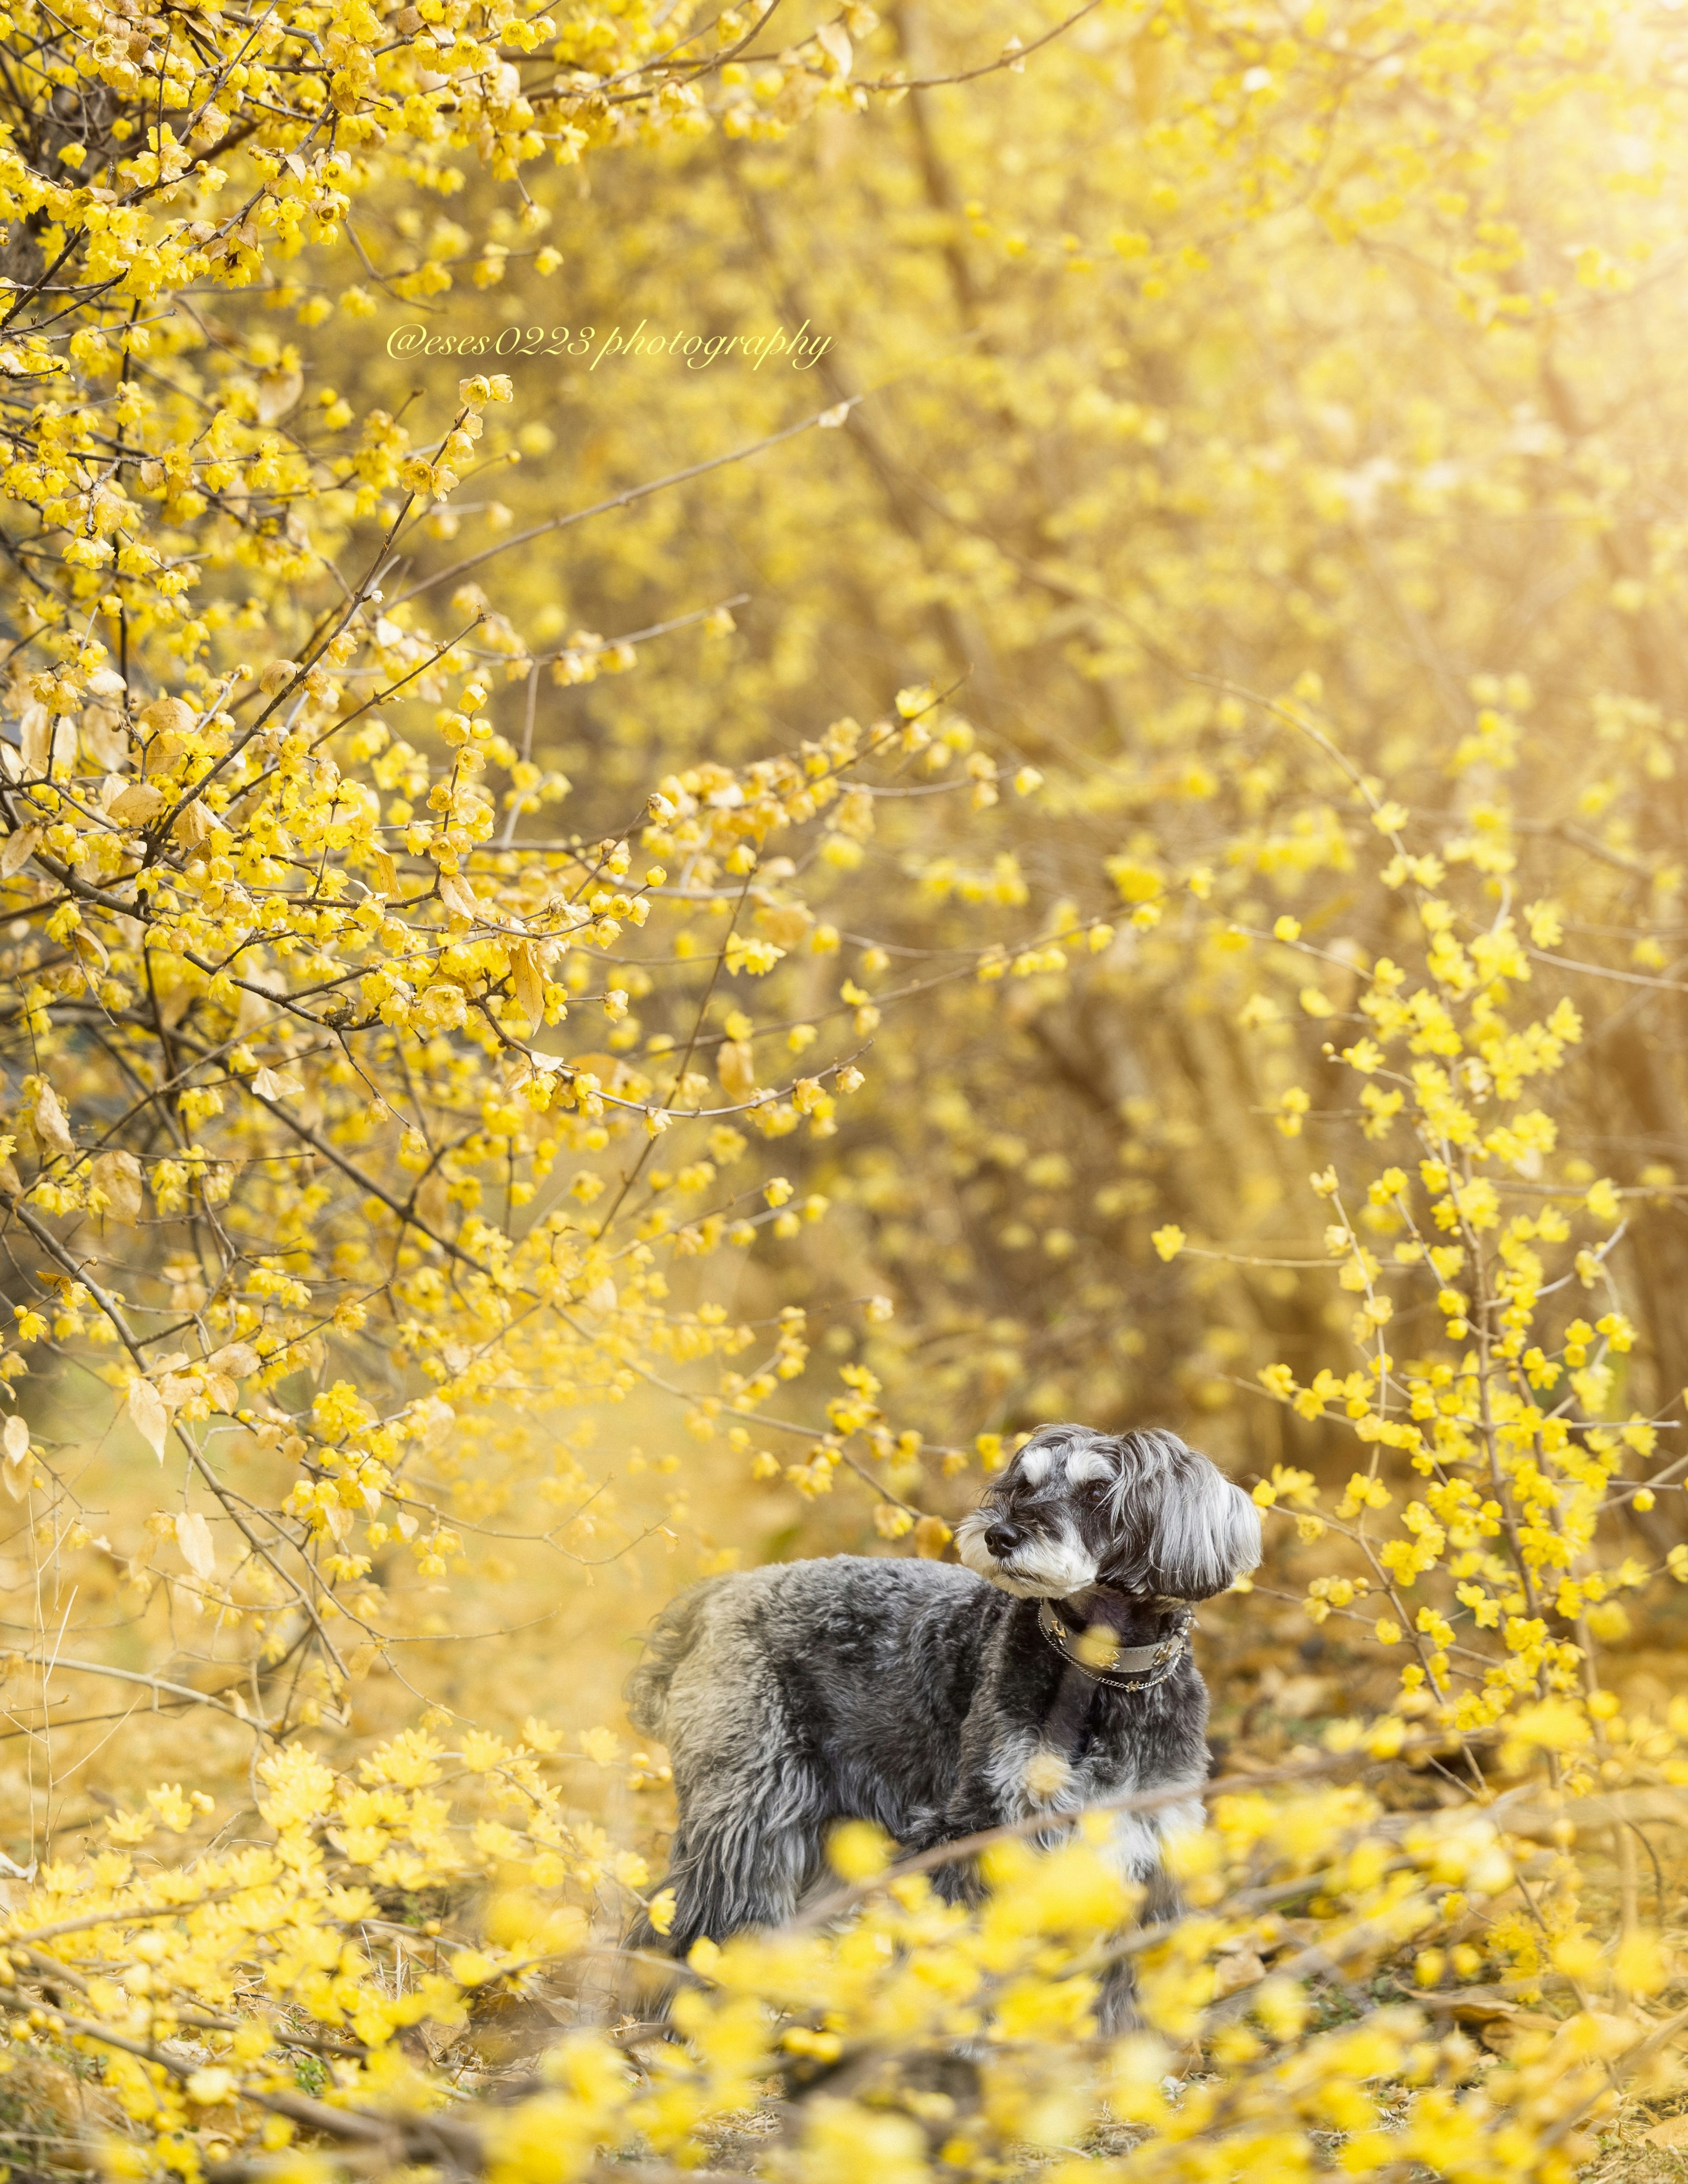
(924, 1696)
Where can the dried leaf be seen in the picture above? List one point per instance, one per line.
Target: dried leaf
(20, 849)
(276, 1083)
(193, 826)
(735, 1066)
(167, 717)
(277, 392)
(458, 896)
(91, 948)
(103, 738)
(834, 41)
(174, 1005)
(786, 924)
(433, 1200)
(152, 1420)
(236, 1359)
(1672, 2134)
(118, 1175)
(199, 1548)
(35, 737)
(15, 1442)
(136, 805)
(529, 985)
(50, 1125)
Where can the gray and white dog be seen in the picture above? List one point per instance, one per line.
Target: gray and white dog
(940, 1701)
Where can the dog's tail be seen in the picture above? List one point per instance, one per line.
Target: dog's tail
(667, 1643)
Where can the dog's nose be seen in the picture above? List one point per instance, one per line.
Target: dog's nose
(1002, 1539)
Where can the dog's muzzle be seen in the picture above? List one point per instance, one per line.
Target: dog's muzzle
(1132, 1667)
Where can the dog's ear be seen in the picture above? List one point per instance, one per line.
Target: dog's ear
(1182, 1529)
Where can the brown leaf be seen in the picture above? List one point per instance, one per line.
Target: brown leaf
(1502, 2034)
(118, 1175)
(1231, 1974)
(1672, 2134)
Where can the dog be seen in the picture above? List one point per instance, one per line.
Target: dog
(1051, 1669)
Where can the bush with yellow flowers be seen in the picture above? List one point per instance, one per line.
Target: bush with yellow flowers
(1120, 857)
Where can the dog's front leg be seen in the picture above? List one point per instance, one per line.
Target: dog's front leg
(1161, 1905)
(975, 1805)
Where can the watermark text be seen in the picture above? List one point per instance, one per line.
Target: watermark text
(800, 351)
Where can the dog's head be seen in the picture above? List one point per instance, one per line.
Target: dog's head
(1138, 1512)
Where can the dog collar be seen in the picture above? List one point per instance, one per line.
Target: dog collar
(1134, 1668)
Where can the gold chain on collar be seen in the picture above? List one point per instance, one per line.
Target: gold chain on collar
(1161, 1658)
